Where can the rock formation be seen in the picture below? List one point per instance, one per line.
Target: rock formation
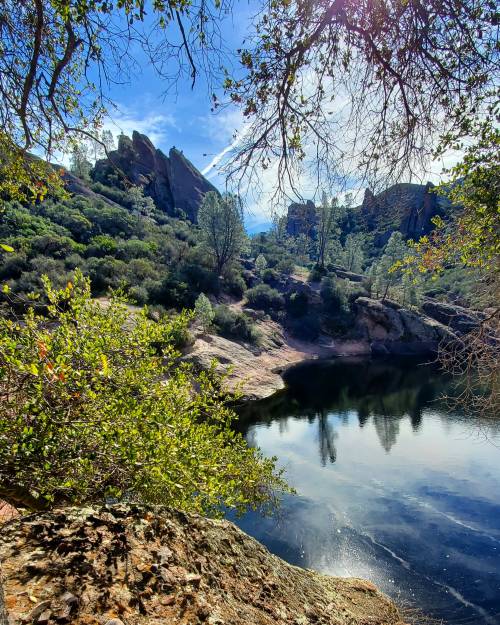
(302, 219)
(408, 208)
(461, 320)
(172, 181)
(127, 565)
(391, 329)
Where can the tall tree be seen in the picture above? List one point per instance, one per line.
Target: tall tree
(387, 276)
(354, 252)
(80, 164)
(221, 221)
(108, 141)
(328, 216)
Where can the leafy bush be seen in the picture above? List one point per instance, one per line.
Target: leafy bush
(234, 325)
(297, 303)
(334, 296)
(113, 193)
(138, 295)
(316, 273)
(233, 283)
(264, 297)
(95, 404)
(285, 266)
(270, 276)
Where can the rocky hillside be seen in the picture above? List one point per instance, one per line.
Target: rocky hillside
(131, 566)
(172, 181)
(408, 208)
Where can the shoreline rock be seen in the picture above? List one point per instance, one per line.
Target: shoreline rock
(381, 328)
(139, 566)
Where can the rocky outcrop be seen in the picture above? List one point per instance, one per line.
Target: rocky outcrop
(244, 368)
(461, 320)
(391, 329)
(406, 207)
(302, 219)
(127, 565)
(340, 272)
(172, 181)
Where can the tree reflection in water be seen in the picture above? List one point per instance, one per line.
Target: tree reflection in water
(378, 390)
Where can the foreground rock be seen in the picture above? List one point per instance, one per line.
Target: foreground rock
(392, 329)
(132, 566)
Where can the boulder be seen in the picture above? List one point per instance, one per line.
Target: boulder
(144, 566)
(244, 368)
(340, 272)
(392, 329)
(171, 181)
(461, 320)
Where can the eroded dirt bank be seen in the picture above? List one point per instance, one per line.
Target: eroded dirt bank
(134, 566)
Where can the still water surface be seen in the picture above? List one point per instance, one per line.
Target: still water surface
(392, 484)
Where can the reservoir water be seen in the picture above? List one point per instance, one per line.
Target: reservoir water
(393, 484)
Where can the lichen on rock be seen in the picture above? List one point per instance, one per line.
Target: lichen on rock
(132, 565)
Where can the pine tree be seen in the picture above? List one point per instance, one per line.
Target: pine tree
(260, 263)
(386, 277)
(354, 252)
(204, 311)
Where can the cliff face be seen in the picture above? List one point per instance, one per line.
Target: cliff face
(408, 208)
(126, 565)
(302, 219)
(172, 181)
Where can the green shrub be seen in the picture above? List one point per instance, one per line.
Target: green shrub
(297, 303)
(316, 274)
(334, 296)
(233, 325)
(233, 283)
(264, 297)
(138, 295)
(285, 266)
(95, 404)
(270, 276)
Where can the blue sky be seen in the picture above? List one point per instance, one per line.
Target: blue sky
(183, 118)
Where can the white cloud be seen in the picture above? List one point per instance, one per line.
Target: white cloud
(153, 124)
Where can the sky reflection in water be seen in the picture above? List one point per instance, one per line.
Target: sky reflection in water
(392, 485)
